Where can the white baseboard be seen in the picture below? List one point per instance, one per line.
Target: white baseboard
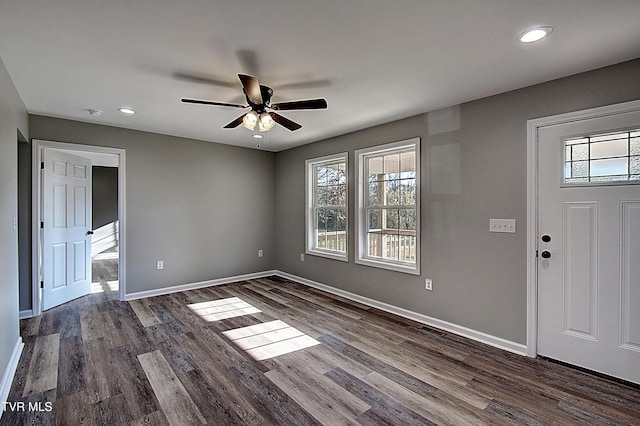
(9, 372)
(201, 284)
(27, 313)
(479, 336)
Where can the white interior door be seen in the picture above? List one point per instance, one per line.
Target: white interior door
(589, 244)
(66, 227)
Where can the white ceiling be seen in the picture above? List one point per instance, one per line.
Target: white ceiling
(374, 61)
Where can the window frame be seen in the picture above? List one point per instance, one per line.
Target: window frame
(310, 181)
(596, 180)
(362, 257)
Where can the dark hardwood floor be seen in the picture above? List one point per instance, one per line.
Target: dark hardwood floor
(269, 352)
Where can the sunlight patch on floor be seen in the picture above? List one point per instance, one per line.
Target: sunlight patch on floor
(113, 255)
(98, 287)
(216, 310)
(269, 339)
(113, 285)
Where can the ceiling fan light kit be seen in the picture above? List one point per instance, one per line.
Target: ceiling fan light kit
(259, 100)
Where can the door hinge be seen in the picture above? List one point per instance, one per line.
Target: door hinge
(536, 253)
(42, 165)
(41, 284)
(42, 225)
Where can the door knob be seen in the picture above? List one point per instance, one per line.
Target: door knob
(545, 254)
(89, 232)
(546, 238)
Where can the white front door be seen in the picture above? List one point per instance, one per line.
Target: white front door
(66, 227)
(589, 243)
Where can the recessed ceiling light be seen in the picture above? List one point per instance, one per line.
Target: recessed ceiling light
(534, 34)
(256, 136)
(127, 110)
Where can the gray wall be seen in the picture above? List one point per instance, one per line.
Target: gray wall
(104, 207)
(204, 209)
(474, 168)
(13, 118)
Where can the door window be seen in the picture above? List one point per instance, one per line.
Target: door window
(602, 158)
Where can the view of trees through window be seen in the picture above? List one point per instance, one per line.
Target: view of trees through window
(330, 206)
(391, 206)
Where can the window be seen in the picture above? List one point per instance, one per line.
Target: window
(326, 218)
(388, 219)
(603, 158)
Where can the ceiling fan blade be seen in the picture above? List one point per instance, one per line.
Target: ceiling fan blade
(248, 60)
(312, 84)
(203, 79)
(235, 123)
(306, 104)
(251, 88)
(283, 121)
(225, 104)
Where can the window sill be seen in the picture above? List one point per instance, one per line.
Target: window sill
(328, 255)
(397, 267)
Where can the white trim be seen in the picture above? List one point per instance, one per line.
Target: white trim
(9, 372)
(361, 222)
(308, 196)
(533, 129)
(36, 302)
(469, 333)
(197, 285)
(27, 313)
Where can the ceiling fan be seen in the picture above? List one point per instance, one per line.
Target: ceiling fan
(262, 112)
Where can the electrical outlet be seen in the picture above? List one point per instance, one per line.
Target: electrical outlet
(160, 264)
(301, 257)
(428, 284)
(260, 253)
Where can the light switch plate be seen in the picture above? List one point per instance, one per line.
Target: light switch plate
(502, 225)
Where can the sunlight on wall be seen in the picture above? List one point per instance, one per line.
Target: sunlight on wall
(216, 310)
(270, 339)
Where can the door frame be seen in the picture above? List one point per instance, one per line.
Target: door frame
(533, 130)
(36, 194)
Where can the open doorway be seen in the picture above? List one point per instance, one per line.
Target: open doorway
(24, 226)
(105, 241)
(106, 228)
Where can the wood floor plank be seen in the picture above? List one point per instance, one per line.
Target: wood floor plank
(90, 323)
(30, 328)
(387, 410)
(132, 382)
(281, 407)
(333, 405)
(369, 368)
(22, 372)
(71, 366)
(99, 381)
(111, 411)
(177, 405)
(171, 349)
(73, 409)
(144, 313)
(218, 376)
(157, 418)
(446, 410)
(43, 368)
(408, 381)
(215, 406)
